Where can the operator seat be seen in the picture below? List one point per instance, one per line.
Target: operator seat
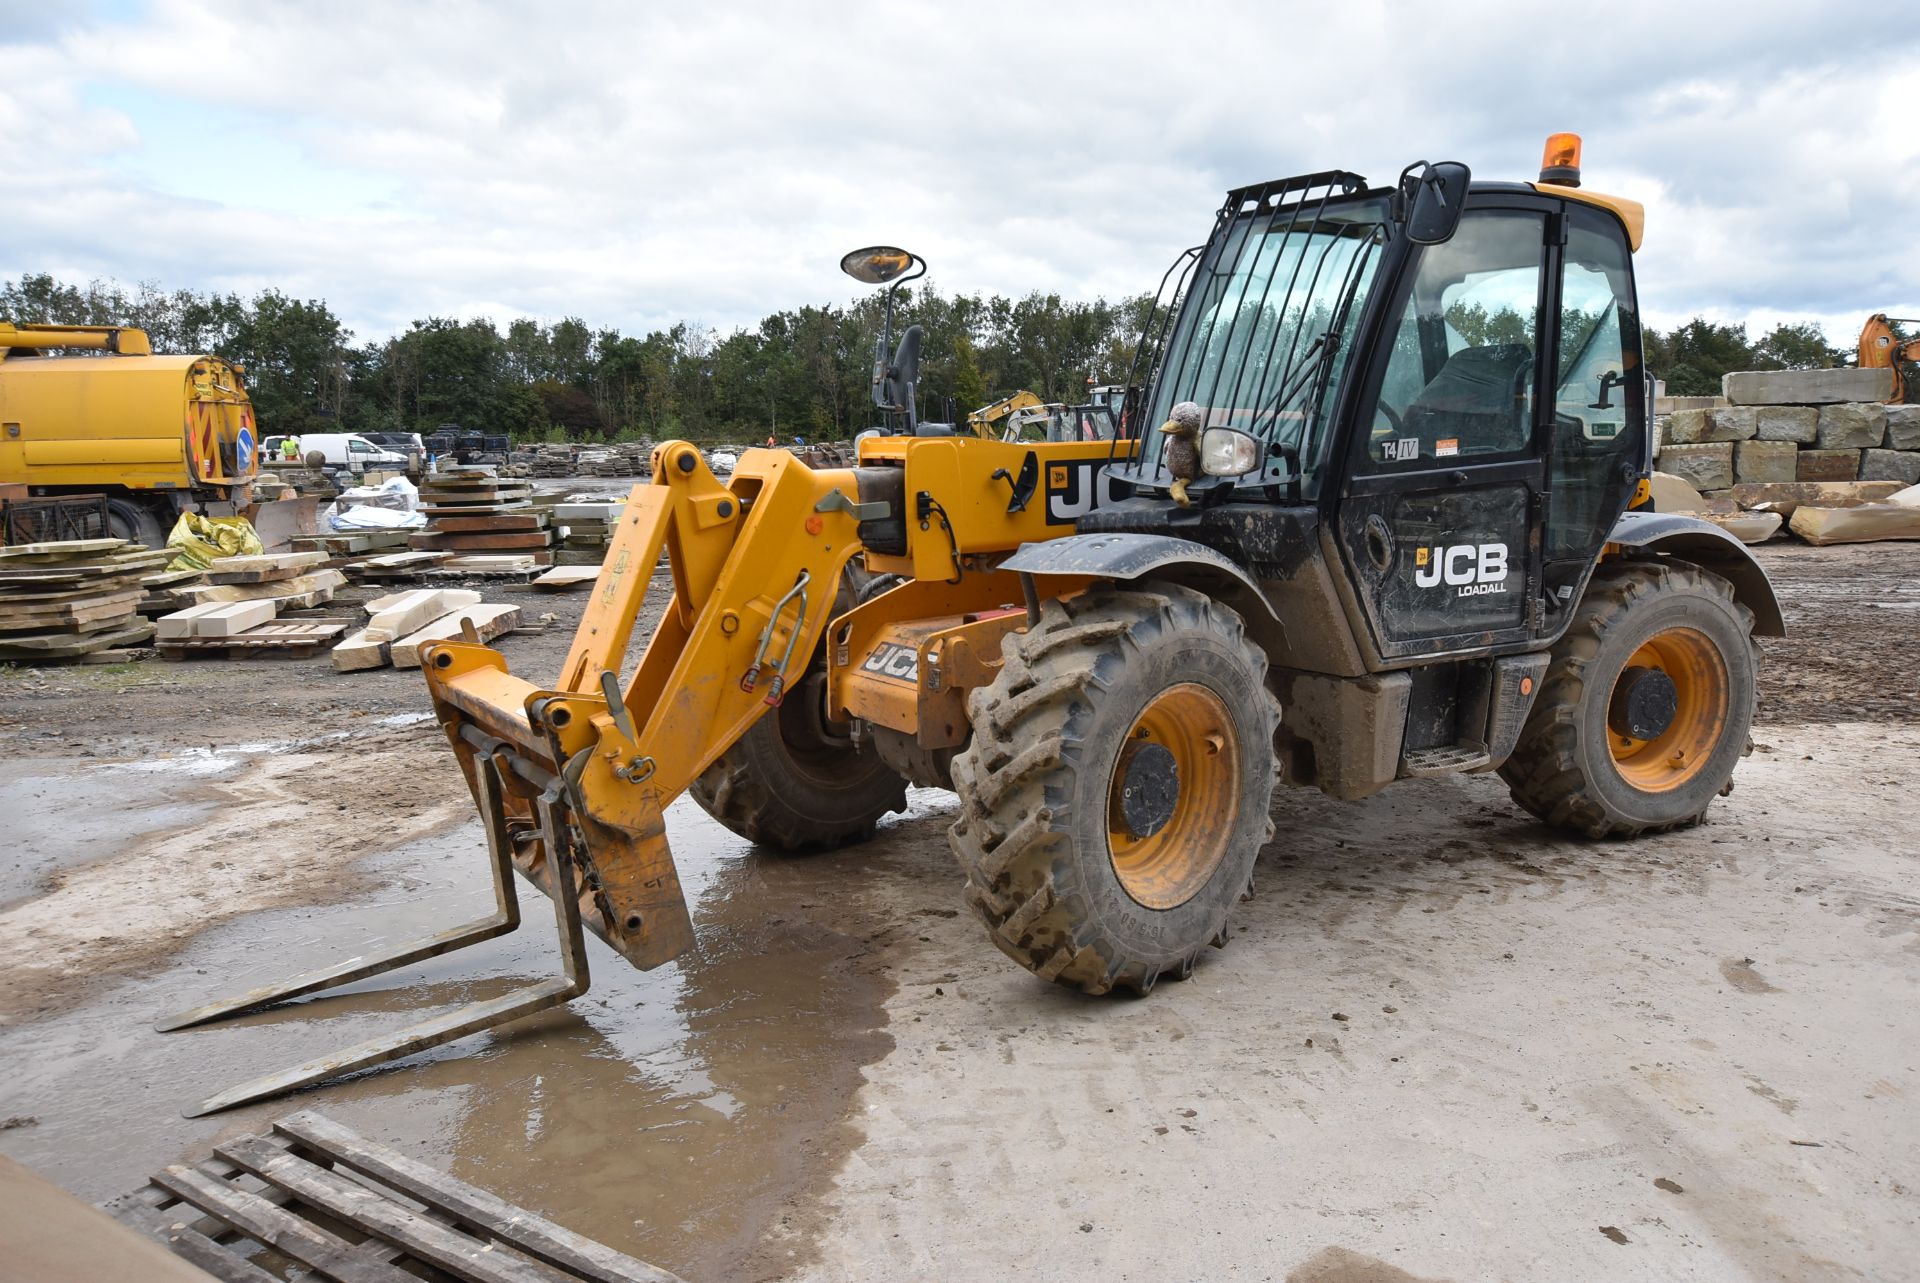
(1477, 399)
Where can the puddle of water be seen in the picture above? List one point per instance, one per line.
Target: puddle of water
(217, 759)
(673, 1113)
(58, 818)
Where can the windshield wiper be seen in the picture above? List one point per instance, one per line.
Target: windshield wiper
(1305, 374)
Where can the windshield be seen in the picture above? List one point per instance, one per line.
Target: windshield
(1262, 335)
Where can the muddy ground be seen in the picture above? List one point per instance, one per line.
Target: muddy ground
(1441, 1044)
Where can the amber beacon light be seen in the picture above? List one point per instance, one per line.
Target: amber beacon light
(1560, 162)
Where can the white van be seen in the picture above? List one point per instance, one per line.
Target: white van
(348, 450)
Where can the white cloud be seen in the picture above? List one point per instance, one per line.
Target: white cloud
(634, 165)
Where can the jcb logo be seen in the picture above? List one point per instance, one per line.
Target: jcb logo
(1075, 489)
(1474, 569)
(891, 659)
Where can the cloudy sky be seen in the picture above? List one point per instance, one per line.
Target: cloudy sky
(638, 163)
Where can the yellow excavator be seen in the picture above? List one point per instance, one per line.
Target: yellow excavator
(1343, 543)
(1881, 348)
(987, 420)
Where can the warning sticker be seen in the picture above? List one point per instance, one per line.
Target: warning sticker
(1441, 449)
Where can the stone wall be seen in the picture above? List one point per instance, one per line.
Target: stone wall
(1794, 425)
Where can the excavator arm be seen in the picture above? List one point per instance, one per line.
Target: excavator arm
(1881, 348)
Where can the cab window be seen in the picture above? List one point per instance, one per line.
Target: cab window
(1599, 400)
(1459, 383)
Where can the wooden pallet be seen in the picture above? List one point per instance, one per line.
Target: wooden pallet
(282, 639)
(314, 1194)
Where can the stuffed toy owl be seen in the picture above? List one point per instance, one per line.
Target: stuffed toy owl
(1182, 431)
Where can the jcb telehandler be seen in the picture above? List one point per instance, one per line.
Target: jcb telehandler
(1394, 525)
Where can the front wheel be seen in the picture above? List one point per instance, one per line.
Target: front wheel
(1117, 787)
(1646, 708)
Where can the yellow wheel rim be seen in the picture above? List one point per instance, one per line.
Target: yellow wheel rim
(1165, 842)
(1702, 702)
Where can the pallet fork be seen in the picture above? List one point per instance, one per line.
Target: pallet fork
(458, 1023)
(572, 782)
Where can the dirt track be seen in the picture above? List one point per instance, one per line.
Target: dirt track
(1441, 1044)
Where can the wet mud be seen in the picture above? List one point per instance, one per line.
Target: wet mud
(688, 1115)
(1441, 1043)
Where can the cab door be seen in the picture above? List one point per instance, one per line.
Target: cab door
(1445, 471)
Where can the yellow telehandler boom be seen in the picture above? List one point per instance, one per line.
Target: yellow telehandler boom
(572, 780)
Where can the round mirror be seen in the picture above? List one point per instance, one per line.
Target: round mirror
(877, 264)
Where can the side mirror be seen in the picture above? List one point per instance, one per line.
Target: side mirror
(1434, 201)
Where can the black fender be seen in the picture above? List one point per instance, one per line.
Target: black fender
(1133, 556)
(1706, 545)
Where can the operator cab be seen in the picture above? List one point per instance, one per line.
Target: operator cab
(1428, 372)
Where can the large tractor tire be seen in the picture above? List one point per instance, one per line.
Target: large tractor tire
(134, 521)
(1646, 708)
(796, 781)
(1117, 787)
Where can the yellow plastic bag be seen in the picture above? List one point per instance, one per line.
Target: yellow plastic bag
(197, 542)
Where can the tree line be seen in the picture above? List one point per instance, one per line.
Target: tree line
(803, 371)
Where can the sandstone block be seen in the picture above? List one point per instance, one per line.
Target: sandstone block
(1903, 427)
(1799, 423)
(1766, 461)
(232, 618)
(1704, 466)
(1724, 423)
(1672, 494)
(1855, 525)
(1890, 465)
(1852, 426)
(1784, 497)
(1806, 387)
(1827, 465)
(1721, 501)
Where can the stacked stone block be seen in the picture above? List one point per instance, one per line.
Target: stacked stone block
(1795, 425)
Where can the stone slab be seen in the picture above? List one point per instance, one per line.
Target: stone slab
(1806, 387)
(1784, 497)
(1869, 523)
(1674, 494)
(488, 621)
(180, 622)
(1903, 427)
(1890, 465)
(1797, 423)
(1851, 426)
(231, 618)
(1749, 527)
(1706, 466)
(357, 651)
(1827, 465)
(416, 610)
(318, 583)
(1765, 461)
(1725, 423)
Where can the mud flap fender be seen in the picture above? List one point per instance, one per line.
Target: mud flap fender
(1165, 557)
(1711, 548)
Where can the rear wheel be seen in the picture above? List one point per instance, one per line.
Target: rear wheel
(796, 781)
(1646, 708)
(1116, 790)
(127, 519)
